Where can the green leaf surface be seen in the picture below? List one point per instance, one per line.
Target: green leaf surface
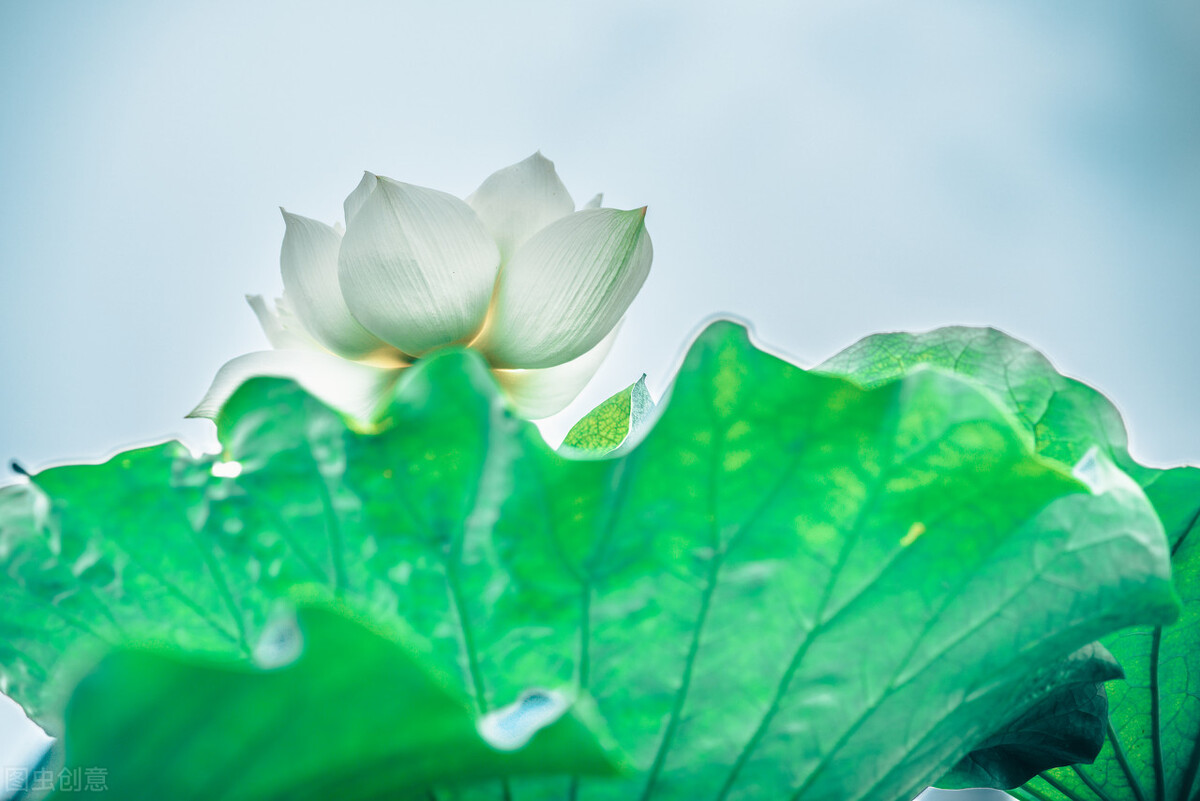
(337, 707)
(613, 422)
(1152, 749)
(1062, 417)
(792, 587)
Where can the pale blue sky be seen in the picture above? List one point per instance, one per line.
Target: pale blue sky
(823, 170)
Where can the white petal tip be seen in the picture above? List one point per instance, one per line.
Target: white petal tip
(567, 287)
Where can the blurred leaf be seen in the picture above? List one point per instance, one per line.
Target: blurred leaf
(792, 586)
(351, 713)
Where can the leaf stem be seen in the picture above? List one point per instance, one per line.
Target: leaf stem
(1160, 771)
(585, 634)
(1091, 783)
(1028, 789)
(468, 643)
(681, 694)
(289, 536)
(1187, 529)
(222, 586)
(336, 547)
(1189, 773)
(1123, 761)
(468, 640)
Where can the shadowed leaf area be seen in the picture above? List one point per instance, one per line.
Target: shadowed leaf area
(793, 586)
(1151, 744)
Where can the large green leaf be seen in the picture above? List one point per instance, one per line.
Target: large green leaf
(338, 707)
(793, 586)
(1152, 748)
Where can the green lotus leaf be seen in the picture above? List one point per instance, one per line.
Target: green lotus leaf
(1151, 750)
(792, 586)
(1062, 417)
(336, 707)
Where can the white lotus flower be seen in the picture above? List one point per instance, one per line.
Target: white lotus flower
(513, 272)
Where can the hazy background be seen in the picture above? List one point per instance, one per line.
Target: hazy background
(823, 170)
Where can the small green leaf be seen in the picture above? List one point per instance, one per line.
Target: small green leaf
(609, 425)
